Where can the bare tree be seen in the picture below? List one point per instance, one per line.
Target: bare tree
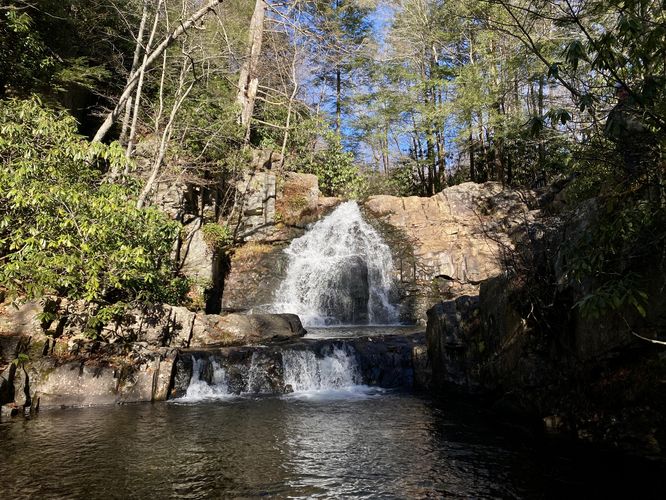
(133, 80)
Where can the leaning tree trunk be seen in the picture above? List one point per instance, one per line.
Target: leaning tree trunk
(135, 64)
(139, 85)
(181, 28)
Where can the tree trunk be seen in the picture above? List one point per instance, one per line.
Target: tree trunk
(135, 64)
(248, 81)
(181, 28)
(338, 98)
(472, 166)
(139, 85)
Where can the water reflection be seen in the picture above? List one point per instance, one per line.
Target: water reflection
(381, 446)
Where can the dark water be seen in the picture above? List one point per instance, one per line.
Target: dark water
(380, 446)
(354, 331)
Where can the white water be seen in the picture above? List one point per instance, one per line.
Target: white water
(330, 377)
(335, 375)
(303, 371)
(339, 272)
(200, 390)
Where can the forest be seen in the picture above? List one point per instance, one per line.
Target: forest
(100, 99)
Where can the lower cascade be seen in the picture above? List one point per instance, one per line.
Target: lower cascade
(311, 366)
(339, 272)
(304, 371)
(287, 371)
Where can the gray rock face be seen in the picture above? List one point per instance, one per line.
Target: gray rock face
(71, 370)
(244, 329)
(256, 272)
(255, 205)
(160, 326)
(197, 258)
(451, 328)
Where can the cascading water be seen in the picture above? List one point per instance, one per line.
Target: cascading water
(339, 272)
(304, 371)
(331, 368)
(199, 389)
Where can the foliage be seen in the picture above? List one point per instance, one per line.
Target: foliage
(21, 359)
(335, 168)
(64, 230)
(54, 45)
(216, 236)
(400, 181)
(611, 260)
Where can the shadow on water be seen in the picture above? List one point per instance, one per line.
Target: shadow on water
(384, 444)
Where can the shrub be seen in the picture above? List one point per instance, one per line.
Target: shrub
(64, 229)
(335, 169)
(216, 236)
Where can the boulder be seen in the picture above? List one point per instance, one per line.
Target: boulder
(159, 326)
(243, 329)
(197, 258)
(106, 376)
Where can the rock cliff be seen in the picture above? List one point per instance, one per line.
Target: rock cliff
(521, 342)
(445, 245)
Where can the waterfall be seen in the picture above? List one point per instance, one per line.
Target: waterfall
(330, 370)
(339, 272)
(304, 371)
(209, 381)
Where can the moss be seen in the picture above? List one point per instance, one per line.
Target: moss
(252, 251)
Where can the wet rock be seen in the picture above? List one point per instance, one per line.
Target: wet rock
(256, 272)
(554, 424)
(422, 367)
(451, 332)
(349, 293)
(383, 361)
(9, 410)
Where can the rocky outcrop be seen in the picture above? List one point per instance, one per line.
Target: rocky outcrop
(255, 206)
(256, 270)
(447, 244)
(297, 200)
(54, 364)
(271, 212)
(524, 344)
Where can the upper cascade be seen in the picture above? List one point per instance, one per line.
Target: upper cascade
(339, 272)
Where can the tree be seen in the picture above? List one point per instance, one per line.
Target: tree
(66, 232)
(248, 81)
